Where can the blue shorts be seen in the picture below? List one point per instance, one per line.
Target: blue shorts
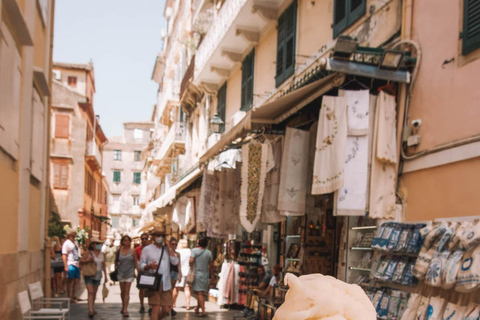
(91, 280)
(73, 272)
(174, 275)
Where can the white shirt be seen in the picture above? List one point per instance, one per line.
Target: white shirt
(152, 253)
(273, 282)
(71, 250)
(185, 260)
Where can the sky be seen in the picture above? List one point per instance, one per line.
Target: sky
(122, 38)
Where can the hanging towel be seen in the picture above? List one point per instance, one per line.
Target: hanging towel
(358, 102)
(331, 142)
(383, 175)
(350, 200)
(270, 213)
(293, 190)
(190, 215)
(180, 212)
(254, 170)
(224, 221)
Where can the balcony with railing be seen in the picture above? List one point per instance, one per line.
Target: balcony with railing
(93, 155)
(228, 31)
(172, 147)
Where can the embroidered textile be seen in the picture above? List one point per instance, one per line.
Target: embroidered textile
(350, 200)
(224, 219)
(293, 184)
(208, 202)
(382, 184)
(270, 213)
(330, 151)
(358, 111)
(254, 169)
(386, 140)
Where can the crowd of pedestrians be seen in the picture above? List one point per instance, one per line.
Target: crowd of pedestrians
(181, 269)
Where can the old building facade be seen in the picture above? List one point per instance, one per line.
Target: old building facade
(75, 152)
(25, 89)
(123, 165)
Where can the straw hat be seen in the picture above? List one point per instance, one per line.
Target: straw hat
(95, 239)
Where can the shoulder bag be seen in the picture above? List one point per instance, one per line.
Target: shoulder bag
(191, 273)
(89, 269)
(148, 280)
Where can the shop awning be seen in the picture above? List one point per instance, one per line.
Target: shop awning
(276, 111)
(187, 180)
(165, 199)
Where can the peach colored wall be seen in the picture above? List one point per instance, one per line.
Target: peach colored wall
(265, 56)
(313, 27)
(234, 87)
(34, 219)
(8, 209)
(39, 42)
(443, 192)
(446, 99)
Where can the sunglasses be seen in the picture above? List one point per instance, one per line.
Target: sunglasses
(173, 244)
(144, 239)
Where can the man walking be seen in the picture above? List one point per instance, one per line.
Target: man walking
(141, 293)
(70, 255)
(149, 261)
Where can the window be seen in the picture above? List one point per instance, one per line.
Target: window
(10, 83)
(135, 222)
(117, 176)
(137, 177)
(117, 155)
(287, 24)
(62, 126)
(138, 133)
(247, 81)
(136, 200)
(222, 104)
(72, 81)
(345, 13)
(137, 155)
(60, 175)
(115, 222)
(471, 26)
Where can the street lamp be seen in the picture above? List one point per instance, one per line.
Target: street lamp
(216, 123)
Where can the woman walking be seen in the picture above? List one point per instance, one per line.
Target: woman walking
(185, 254)
(202, 257)
(57, 265)
(175, 272)
(94, 254)
(126, 263)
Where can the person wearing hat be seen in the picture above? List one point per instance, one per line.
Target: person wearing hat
(149, 262)
(94, 254)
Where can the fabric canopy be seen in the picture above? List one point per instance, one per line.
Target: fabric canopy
(276, 111)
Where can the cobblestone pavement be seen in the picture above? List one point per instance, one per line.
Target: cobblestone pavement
(111, 308)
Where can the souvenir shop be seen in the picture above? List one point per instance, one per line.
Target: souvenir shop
(309, 182)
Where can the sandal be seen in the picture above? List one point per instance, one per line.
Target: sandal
(203, 315)
(196, 311)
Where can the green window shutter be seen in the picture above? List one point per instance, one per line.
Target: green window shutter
(136, 177)
(247, 81)
(339, 17)
(116, 176)
(222, 104)
(346, 13)
(286, 43)
(356, 9)
(471, 26)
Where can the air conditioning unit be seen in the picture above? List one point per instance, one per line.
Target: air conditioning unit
(57, 74)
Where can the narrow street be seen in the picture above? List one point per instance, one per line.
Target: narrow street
(111, 308)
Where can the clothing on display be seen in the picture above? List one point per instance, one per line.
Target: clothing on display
(383, 175)
(331, 145)
(270, 213)
(224, 218)
(209, 202)
(255, 155)
(350, 199)
(292, 193)
(183, 215)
